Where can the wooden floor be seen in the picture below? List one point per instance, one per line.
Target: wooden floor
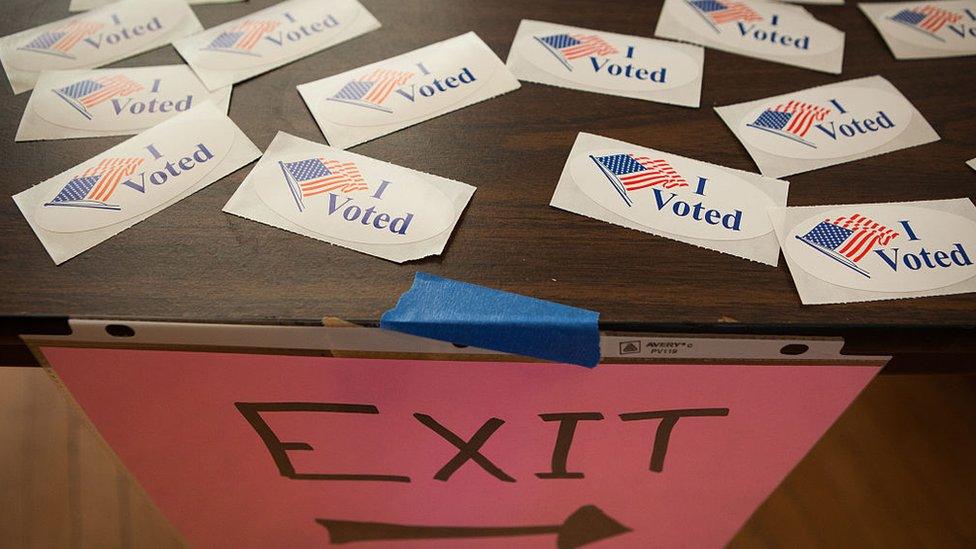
(897, 470)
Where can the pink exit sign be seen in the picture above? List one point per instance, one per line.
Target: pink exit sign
(258, 451)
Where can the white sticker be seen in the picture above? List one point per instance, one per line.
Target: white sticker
(95, 38)
(672, 196)
(350, 200)
(827, 125)
(609, 63)
(102, 102)
(88, 204)
(766, 30)
(972, 163)
(84, 5)
(381, 98)
(272, 37)
(918, 30)
(867, 252)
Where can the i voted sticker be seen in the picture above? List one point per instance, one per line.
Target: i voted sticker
(767, 30)
(350, 200)
(146, 175)
(760, 27)
(96, 38)
(827, 125)
(672, 196)
(604, 62)
(409, 88)
(377, 99)
(272, 37)
(827, 122)
(88, 204)
(885, 247)
(111, 101)
(335, 196)
(948, 26)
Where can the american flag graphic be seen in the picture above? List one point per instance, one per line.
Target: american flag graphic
(628, 172)
(87, 93)
(242, 37)
(60, 41)
(94, 187)
(315, 176)
(792, 120)
(372, 89)
(848, 239)
(928, 19)
(567, 47)
(716, 13)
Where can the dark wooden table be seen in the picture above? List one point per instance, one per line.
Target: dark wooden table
(191, 262)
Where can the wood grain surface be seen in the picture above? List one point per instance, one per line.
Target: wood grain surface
(193, 262)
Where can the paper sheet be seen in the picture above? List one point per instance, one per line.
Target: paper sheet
(272, 37)
(920, 30)
(97, 199)
(83, 5)
(378, 99)
(870, 252)
(783, 33)
(189, 426)
(103, 102)
(350, 200)
(827, 125)
(94, 38)
(664, 194)
(608, 63)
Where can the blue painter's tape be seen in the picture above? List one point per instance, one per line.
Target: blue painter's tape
(458, 312)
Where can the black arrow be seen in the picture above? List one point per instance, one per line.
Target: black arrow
(586, 525)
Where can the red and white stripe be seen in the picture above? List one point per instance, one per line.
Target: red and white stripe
(867, 234)
(936, 18)
(76, 32)
(345, 177)
(253, 31)
(590, 44)
(113, 86)
(384, 82)
(804, 115)
(112, 171)
(735, 11)
(657, 172)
